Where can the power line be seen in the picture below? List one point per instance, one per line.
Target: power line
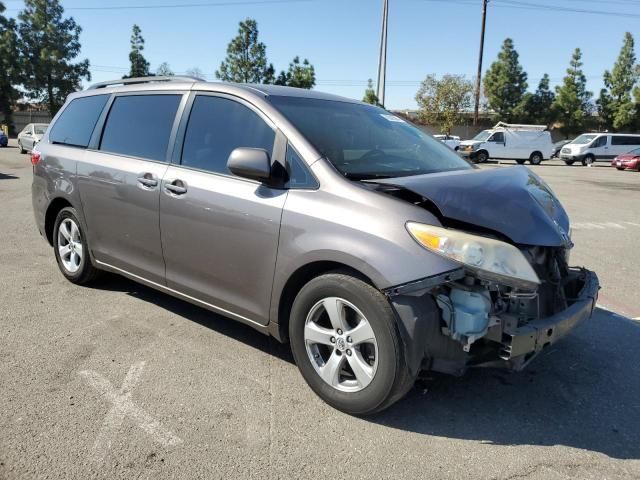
(181, 5)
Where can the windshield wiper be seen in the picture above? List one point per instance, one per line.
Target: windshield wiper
(365, 176)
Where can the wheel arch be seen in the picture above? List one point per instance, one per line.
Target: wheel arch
(279, 325)
(51, 214)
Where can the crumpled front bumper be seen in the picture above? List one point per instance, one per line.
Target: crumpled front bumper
(524, 343)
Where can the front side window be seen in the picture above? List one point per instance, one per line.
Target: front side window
(75, 124)
(498, 137)
(140, 125)
(216, 127)
(599, 142)
(365, 142)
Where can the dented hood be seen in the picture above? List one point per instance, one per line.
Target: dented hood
(512, 201)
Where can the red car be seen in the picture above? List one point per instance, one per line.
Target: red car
(630, 161)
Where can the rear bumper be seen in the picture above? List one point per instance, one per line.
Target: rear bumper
(521, 345)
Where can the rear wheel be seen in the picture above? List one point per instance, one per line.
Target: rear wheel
(588, 160)
(71, 250)
(535, 158)
(346, 344)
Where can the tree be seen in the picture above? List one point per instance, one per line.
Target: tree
(573, 102)
(195, 72)
(442, 101)
(536, 107)
(299, 75)
(139, 64)
(9, 66)
(164, 70)
(246, 60)
(48, 44)
(616, 105)
(370, 94)
(505, 83)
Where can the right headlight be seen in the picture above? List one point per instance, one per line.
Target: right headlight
(489, 258)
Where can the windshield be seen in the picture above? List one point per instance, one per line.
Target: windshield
(634, 152)
(582, 139)
(365, 142)
(483, 135)
(39, 129)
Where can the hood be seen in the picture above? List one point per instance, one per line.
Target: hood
(470, 142)
(513, 201)
(627, 156)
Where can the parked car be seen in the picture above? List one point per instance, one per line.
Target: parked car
(451, 141)
(590, 147)
(323, 221)
(628, 161)
(30, 135)
(505, 141)
(558, 146)
(4, 140)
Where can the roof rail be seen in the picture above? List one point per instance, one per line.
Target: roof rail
(136, 80)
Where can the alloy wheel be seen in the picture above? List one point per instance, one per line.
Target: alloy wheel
(70, 245)
(341, 344)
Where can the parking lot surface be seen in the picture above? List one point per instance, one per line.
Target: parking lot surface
(120, 381)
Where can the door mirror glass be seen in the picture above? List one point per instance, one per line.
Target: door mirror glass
(252, 163)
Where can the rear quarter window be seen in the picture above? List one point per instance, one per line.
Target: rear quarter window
(75, 124)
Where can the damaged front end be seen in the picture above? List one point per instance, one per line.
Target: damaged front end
(513, 294)
(457, 320)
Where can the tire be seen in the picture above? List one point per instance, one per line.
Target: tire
(317, 343)
(535, 158)
(68, 236)
(481, 157)
(569, 162)
(588, 160)
(520, 161)
(22, 150)
(620, 168)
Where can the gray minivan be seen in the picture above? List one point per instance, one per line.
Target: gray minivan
(371, 247)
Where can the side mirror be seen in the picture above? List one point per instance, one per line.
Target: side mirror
(252, 163)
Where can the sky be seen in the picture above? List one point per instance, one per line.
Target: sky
(341, 37)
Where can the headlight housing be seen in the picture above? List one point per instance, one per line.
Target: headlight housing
(488, 258)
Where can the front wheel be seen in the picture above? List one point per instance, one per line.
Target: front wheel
(70, 248)
(345, 341)
(520, 161)
(481, 157)
(569, 162)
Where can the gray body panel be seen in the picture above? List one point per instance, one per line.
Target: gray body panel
(220, 240)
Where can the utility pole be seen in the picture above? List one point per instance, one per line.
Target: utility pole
(382, 60)
(479, 75)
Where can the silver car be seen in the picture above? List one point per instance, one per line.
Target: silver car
(30, 135)
(372, 248)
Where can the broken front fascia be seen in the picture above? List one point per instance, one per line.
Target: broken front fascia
(442, 317)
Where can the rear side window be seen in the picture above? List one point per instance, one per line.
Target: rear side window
(140, 125)
(216, 127)
(76, 123)
(625, 140)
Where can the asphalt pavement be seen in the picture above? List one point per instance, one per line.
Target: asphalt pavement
(119, 381)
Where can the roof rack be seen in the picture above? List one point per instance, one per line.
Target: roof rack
(515, 126)
(136, 80)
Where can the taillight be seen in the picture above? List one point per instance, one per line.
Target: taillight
(35, 157)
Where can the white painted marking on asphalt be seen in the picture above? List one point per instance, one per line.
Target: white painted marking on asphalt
(123, 407)
(603, 225)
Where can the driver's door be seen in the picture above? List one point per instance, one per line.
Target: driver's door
(496, 145)
(220, 232)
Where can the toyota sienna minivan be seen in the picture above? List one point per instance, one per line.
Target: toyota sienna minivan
(371, 247)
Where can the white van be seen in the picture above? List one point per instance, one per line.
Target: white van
(589, 147)
(507, 141)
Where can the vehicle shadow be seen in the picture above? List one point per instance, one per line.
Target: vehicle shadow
(583, 393)
(8, 176)
(218, 323)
